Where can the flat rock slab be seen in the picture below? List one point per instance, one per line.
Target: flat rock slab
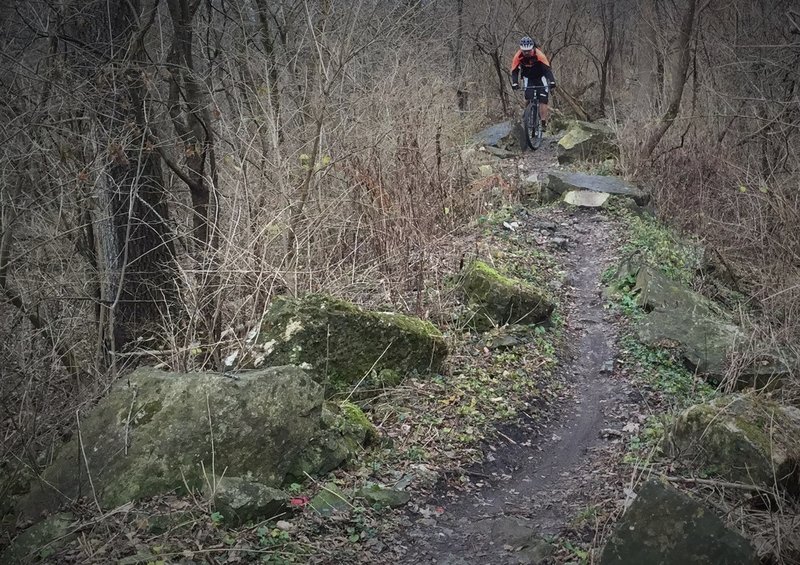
(666, 527)
(586, 198)
(561, 182)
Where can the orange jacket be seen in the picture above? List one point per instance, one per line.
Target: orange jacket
(533, 67)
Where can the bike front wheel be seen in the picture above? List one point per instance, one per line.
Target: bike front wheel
(533, 126)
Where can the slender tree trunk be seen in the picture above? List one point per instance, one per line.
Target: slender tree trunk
(677, 80)
(134, 241)
(458, 61)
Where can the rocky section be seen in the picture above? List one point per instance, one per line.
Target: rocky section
(169, 431)
(340, 344)
(561, 184)
(587, 141)
(744, 438)
(666, 527)
(495, 299)
(240, 500)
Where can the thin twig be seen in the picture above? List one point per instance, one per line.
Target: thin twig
(719, 484)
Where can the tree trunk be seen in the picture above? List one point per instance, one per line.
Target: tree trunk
(608, 16)
(458, 62)
(677, 81)
(134, 239)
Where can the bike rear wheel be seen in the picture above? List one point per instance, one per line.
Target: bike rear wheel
(532, 126)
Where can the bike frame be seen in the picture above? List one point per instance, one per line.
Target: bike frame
(531, 122)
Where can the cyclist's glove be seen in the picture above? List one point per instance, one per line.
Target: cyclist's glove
(514, 86)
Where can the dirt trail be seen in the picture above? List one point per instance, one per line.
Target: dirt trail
(537, 482)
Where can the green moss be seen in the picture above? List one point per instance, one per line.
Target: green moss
(356, 417)
(496, 299)
(343, 344)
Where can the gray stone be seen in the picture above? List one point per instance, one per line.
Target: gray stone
(585, 198)
(744, 438)
(41, 540)
(383, 497)
(341, 344)
(241, 500)
(561, 182)
(665, 527)
(587, 141)
(497, 300)
(167, 431)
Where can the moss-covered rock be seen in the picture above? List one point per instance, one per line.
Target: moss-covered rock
(667, 527)
(587, 141)
(40, 540)
(744, 438)
(341, 343)
(345, 430)
(167, 431)
(496, 299)
(241, 500)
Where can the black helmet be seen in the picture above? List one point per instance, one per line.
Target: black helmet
(526, 43)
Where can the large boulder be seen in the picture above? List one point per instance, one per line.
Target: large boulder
(744, 438)
(562, 183)
(340, 344)
(169, 431)
(586, 141)
(665, 527)
(496, 299)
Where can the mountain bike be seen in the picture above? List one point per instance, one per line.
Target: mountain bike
(531, 121)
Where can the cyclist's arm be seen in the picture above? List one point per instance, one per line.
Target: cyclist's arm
(515, 64)
(548, 73)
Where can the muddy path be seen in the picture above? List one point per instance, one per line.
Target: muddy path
(539, 477)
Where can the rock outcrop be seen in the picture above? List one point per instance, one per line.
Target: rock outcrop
(701, 330)
(169, 431)
(587, 141)
(495, 299)
(340, 344)
(667, 527)
(567, 185)
(743, 438)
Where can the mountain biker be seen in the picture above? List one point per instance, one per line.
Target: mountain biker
(531, 63)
